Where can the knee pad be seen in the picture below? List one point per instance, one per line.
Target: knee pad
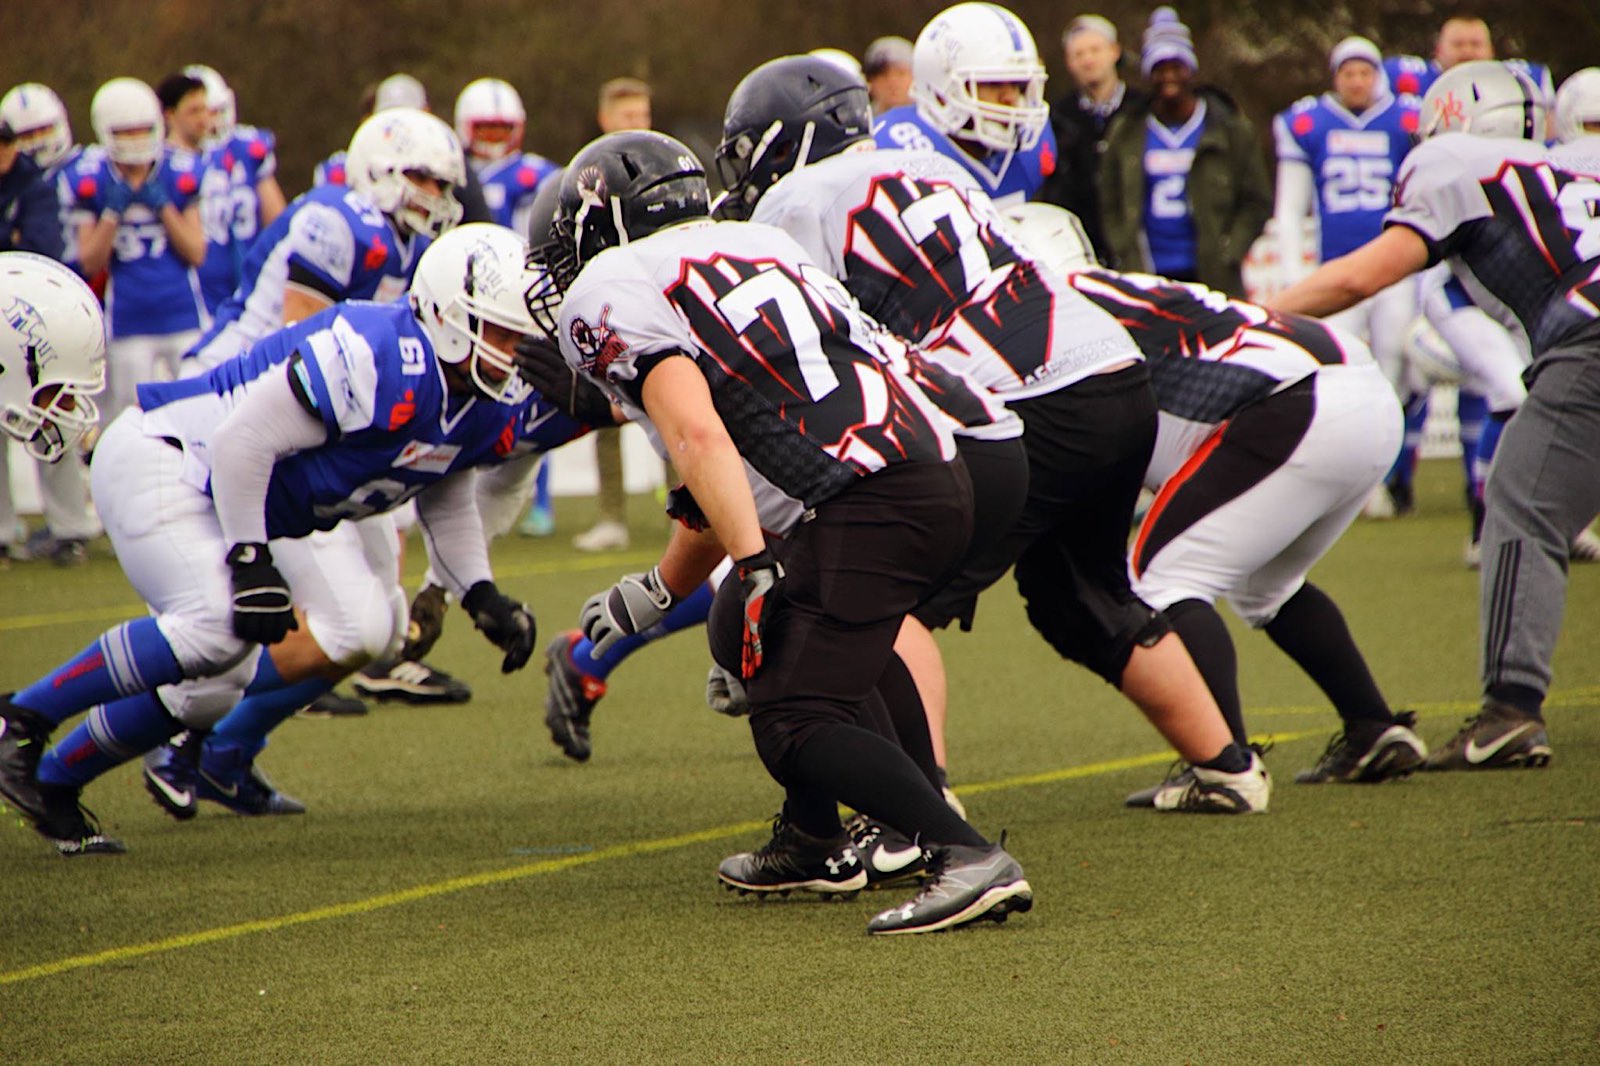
(201, 703)
(204, 646)
(353, 634)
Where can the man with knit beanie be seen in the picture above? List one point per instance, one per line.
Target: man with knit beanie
(1183, 189)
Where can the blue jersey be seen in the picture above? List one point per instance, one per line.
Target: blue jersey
(510, 184)
(330, 240)
(1415, 76)
(370, 374)
(152, 291)
(330, 171)
(1008, 177)
(230, 207)
(1353, 160)
(1168, 221)
(62, 172)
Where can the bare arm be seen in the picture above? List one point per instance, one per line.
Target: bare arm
(185, 232)
(270, 196)
(301, 303)
(1397, 253)
(689, 560)
(678, 401)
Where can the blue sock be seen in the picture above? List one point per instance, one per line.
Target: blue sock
(692, 611)
(111, 735)
(1487, 443)
(541, 487)
(263, 709)
(1406, 462)
(127, 659)
(1472, 411)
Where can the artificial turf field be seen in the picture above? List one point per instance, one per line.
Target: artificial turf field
(459, 892)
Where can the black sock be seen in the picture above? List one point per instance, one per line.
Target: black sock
(909, 718)
(1206, 636)
(1523, 698)
(1311, 630)
(1233, 759)
(871, 774)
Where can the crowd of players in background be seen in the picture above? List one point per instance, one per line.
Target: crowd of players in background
(176, 216)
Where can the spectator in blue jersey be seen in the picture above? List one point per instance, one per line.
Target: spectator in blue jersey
(35, 114)
(239, 191)
(137, 202)
(1081, 117)
(1462, 39)
(1184, 190)
(978, 88)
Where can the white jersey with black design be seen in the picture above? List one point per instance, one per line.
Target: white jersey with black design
(1520, 231)
(1211, 355)
(794, 367)
(922, 248)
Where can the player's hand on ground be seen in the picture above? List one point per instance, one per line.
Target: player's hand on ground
(509, 625)
(263, 612)
(427, 623)
(632, 605)
(760, 580)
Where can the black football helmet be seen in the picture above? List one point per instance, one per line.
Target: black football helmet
(786, 113)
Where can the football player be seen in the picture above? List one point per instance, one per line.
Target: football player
(757, 376)
(39, 120)
(1481, 193)
(919, 244)
(239, 193)
(211, 484)
(1576, 118)
(489, 121)
(1274, 429)
(137, 211)
(978, 88)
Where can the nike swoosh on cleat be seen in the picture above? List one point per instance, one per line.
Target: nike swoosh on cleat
(1477, 755)
(892, 860)
(179, 798)
(231, 791)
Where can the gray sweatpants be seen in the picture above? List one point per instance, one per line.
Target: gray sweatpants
(1543, 488)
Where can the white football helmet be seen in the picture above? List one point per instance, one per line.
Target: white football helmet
(126, 117)
(1051, 236)
(404, 141)
(1578, 106)
(474, 274)
(966, 46)
(490, 101)
(219, 98)
(39, 119)
(1485, 98)
(52, 354)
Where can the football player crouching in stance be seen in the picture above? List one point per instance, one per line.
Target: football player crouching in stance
(1273, 430)
(759, 380)
(209, 487)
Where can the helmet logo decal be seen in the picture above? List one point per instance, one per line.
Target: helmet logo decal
(598, 345)
(25, 319)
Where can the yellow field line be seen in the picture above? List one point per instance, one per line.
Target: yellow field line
(620, 562)
(1577, 696)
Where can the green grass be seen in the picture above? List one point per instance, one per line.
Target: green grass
(556, 917)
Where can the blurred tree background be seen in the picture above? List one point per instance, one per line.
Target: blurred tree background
(299, 66)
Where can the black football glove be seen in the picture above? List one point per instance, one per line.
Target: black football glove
(263, 612)
(509, 625)
(540, 363)
(685, 509)
(634, 604)
(427, 623)
(760, 582)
